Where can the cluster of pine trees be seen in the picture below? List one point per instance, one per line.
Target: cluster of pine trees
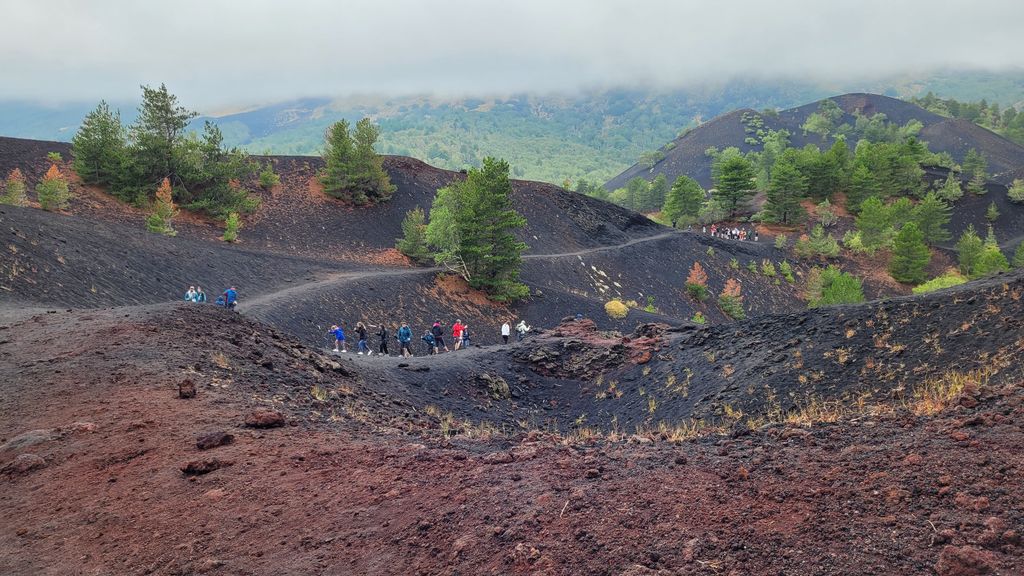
(1008, 122)
(353, 170)
(133, 161)
(471, 232)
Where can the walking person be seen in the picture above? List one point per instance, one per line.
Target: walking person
(428, 337)
(506, 331)
(361, 331)
(522, 329)
(339, 338)
(457, 334)
(382, 333)
(405, 341)
(465, 337)
(438, 333)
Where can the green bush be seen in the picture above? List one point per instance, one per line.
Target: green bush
(940, 282)
(833, 286)
(699, 318)
(231, 226)
(787, 271)
(616, 309)
(269, 178)
(781, 242)
(52, 191)
(767, 268)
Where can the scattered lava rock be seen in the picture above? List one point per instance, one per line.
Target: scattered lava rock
(264, 419)
(214, 439)
(187, 389)
(205, 466)
(23, 464)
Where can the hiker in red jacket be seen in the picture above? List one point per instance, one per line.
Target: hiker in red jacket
(457, 334)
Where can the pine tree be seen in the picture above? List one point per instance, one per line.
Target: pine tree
(697, 283)
(734, 183)
(992, 213)
(98, 148)
(951, 191)
(369, 180)
(158, 135)
(339, 162)
(931, 216)
(731, 301)
(1018, 256)
(15, 193)
(977, 185)
(975, 165)
(269, 178)
(637, 194)
(1016, 191)
(52, 191)
(683, 201)
(786, 188)
(862, 186)
(969, 248)
(160, 220)
(992, 259)
(657, 193)
(832, 286)
(873, 224)
(910, 255)
(413, 242)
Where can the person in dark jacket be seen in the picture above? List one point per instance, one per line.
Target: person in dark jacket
(431, 344)
(361, 331)
(200, 295)
(438, 332)
(382, 333)
(405, 340)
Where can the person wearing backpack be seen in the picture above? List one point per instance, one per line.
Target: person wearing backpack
(522, 329)
(428, 337)
(438, 333)
(405, 340)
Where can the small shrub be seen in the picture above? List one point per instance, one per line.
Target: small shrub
(699, 318)
(787, 271)
(54, 157)
(650, 307)
(752, 267)
(231, 226)
(992, 214)
(711, 252)
(734, 264)
(269, 178)
(15, 193)
(853, 242)
(826, 215)
(1016, 191)
(767, 268)
(697, 283)
(833, 286)
(164, 211)
(817, 244)
(781, 242)
(616, 309)
(52, 190)
(939, 282)
(731, 301)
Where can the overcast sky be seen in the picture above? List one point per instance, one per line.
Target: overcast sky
(218, 53)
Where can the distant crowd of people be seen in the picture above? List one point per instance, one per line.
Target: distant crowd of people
(227, 300)
(733, 233)
(433, 338)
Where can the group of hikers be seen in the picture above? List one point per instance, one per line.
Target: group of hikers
(228, 299)
(433, 337)
(733, 233)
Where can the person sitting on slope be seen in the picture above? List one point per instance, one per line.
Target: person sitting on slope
(230, 298)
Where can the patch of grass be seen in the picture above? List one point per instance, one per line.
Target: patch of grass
(220, 360)
(937, 394)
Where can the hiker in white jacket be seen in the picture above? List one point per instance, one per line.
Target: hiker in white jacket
(506, 331)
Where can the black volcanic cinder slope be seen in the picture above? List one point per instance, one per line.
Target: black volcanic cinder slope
(875, 353)
(956, 137)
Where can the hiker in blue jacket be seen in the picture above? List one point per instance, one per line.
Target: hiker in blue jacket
(190, 294)
(339, 338)
(230, 298)
(405, 340)
(200, 295)
(431, 343)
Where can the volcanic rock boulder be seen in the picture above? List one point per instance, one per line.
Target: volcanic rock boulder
(199, 467)
(23, 464)
(214, 439)
(264, 419)
(187, 389)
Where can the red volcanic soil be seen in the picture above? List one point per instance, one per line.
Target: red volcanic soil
(101, 473)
